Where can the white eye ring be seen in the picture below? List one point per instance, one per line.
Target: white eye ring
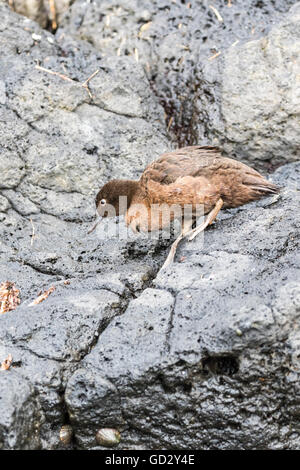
(103, 202)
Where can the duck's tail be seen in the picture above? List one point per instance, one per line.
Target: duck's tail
(266, 187)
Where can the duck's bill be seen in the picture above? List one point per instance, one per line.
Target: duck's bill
(95, 225)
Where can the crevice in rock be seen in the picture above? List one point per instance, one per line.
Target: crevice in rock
(220, 365)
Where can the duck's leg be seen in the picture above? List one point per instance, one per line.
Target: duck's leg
(191, 234)
(186, 228)
(209, 220)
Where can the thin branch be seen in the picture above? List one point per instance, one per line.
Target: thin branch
(219, 17)
(90, 78)
(64, 77)
(136, 54)
(214, 56)
(85, 84)
(170, 123)
(53, 14)
(42, 297)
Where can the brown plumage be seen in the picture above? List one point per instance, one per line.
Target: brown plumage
(197, 176)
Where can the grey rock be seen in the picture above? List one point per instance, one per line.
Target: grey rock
(246, 99)
(115, 130)
(12, 170)
(204, 354)
(58, 145)
(260, 104)
(20, 415)
(39, 10)
(4, 204)
(207, 358)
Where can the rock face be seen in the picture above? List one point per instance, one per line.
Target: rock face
(44, 12)
(59, 143)
(207, 357)
(221, 73)
(206, 353)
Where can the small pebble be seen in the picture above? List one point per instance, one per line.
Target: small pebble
(108, 437)
(36, 37)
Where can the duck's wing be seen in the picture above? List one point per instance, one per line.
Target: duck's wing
(234, 181)
(187, 161)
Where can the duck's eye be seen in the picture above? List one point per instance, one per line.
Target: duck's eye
(103, 202)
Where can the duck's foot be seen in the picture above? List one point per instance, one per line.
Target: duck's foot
(191, 234)
(186, 228)
(172, 252)
(209, 220)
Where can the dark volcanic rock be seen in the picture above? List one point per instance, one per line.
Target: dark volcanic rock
(245, 99)
(20, 418)
(208, 358)
(58, 145)
(206, 355)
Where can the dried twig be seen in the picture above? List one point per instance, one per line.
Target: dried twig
(184, 47)
(120, 47)
(219, 17)
(214, 56)
(235, 43)
(170, 123)
(9, 297)
(53, 14)
(85, 84)
(42, 297)
(5, 365)
(136, 54)
(144, 27)
(60, 75)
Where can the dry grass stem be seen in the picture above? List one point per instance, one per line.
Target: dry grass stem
(53, 14)
(170, 123)
(85, 84)
(214, 56)
(42, 297)
(219, 17)
(60, 75)
(136, 54)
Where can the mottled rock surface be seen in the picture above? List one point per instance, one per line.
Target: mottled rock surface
(44, 12)
(224, 74)
(206, 353)
(207, 357)
(58, 145)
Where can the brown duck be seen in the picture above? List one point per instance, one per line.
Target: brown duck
(195, 176)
